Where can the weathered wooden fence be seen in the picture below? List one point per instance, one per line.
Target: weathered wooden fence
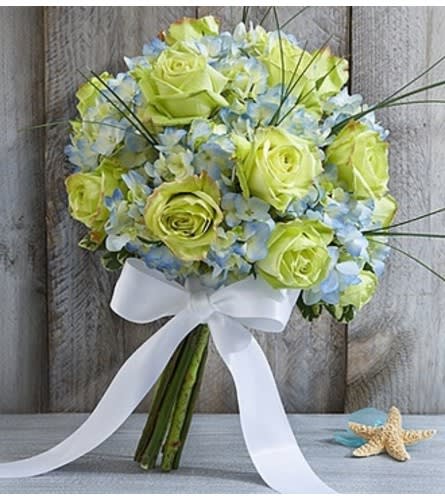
(60, 344)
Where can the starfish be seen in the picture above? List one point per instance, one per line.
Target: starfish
(390, 437)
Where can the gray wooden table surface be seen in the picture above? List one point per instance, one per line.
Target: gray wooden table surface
(215, 459)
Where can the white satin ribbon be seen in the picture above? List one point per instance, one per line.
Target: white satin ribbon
(142, 295)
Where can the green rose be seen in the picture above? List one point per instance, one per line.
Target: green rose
(297, 254)
(361, 158)
(86, 194)
(318, 76)
(180, 86)
(360, 294)
(329, 73)
(276, 166)
(304, 86)
(88, 93)
(187, 29)
(385, 210)
(185, 215)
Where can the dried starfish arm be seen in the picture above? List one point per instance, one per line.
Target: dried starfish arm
(362, 430)
(411, 436)
(394, 417)
(397, 450)
(373, 447)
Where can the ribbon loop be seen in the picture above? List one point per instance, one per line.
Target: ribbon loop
(142, 295)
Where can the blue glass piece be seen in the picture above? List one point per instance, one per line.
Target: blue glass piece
(366, 416)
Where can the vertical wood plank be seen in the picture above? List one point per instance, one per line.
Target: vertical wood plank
(87, 343)
(309, 359)
(396, 350)
(22, 221)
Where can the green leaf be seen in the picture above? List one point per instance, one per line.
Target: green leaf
(347, 313)
(87, 244)
(308, 312)
(113, 261)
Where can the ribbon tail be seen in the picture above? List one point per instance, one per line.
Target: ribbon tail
(132, 382)
(267, 433)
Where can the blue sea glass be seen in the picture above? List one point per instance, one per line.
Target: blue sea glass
(367, 416)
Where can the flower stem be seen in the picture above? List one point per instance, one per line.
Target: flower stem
(188, 417)
(169, 395)
(150, 454)
(185, 402)
(160, 391)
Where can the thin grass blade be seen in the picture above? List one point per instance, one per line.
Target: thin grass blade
(416, 78)
(306, 94)
(294, 16)
(135, 125)
(412, 257)
(406, 234)
(280, 40)
(408, 221)
(121, 101)
(265, 16)
(386, 104)
(245, 14)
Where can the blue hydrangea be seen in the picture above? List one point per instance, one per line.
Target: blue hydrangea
(153, 48)
(255, 236)
(342, 273)
(247, 79)
(200, 131)
(161, 258)
(261, 111)
(119, 225)
(217, 47)
(378, 253)
(169, 138)
(237, 209)
(137, 185)
(307, 206)
(227, 257)
(150, 52)
(217, 161)
(176, 164)
(109, 134)
(81, 154)
(123, 86)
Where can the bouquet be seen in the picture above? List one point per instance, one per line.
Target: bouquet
(219, 157)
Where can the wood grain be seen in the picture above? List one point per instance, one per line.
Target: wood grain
(396, 347)
(87, 343)
(22, 222)
(309, 359)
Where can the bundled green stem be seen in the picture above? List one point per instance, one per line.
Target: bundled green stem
(172, 407)
(184, 408)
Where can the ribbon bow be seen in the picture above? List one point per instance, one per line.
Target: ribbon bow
(143, 295)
